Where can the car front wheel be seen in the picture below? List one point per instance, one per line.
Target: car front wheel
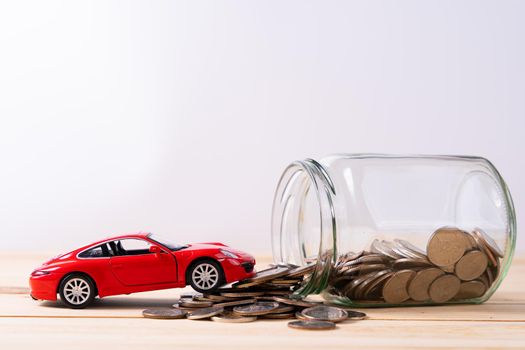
(205, 276)
(77, 291)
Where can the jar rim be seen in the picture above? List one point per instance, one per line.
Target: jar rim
(309, 174)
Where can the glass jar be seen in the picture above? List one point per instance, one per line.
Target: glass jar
(388, 230)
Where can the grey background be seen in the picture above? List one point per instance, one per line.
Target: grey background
(178, 117)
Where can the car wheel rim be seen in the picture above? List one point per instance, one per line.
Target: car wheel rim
(77, 291)
(205, 276)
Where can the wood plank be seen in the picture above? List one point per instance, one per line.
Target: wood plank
(169, 334)
(117, 322)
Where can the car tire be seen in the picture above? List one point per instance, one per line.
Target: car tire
(205, 276)
(77, 291)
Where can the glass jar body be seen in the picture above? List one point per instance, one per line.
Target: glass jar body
(389, 230)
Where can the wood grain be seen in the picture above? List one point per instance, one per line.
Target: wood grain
(116, 322)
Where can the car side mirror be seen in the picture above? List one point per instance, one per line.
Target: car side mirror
(154, 249)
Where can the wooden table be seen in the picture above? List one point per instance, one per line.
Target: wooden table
(116, 322)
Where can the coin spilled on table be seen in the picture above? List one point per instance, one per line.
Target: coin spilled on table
(267, 295)
(457, 265)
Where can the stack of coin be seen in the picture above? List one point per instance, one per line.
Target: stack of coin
(457, 265)
(267, 295)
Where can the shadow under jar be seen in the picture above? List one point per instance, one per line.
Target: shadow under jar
(388, 230)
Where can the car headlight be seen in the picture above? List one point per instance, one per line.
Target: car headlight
(229, 254)
(39, 273)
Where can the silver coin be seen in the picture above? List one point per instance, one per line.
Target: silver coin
(190, 295)
(325, 313)
(195, 303)
(367, 259)
(259, 308)
(384, 248)
(293, 302)
(241, 294)
(263, 276)
(311, 325)
(166, 314)
(236, 302)
(283, 309)
(410, 250)
(345, 258)
(231, 317)
(203, 313)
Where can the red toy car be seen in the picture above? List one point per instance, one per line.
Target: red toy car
(137, 263)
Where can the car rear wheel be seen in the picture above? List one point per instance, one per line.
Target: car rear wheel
(205, 276)
(77, 291)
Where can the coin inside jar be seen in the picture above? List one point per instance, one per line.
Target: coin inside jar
(471, 289)
(419, 285)
(471, 265)
(395, 289)
(446, 246)
(444, 288)
(491, 244)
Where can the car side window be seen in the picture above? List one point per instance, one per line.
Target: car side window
(132, 246)
(100, 251)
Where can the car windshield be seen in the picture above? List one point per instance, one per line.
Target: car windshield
(167, 244)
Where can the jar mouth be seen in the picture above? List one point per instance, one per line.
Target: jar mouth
(304, 227)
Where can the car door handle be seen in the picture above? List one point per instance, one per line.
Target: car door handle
(118, 266)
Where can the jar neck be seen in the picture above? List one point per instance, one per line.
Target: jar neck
(304, 225)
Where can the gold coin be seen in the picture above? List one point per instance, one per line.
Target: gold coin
(359, 292)
(279, 316)
(471, 289)
(395, 289)
(444, 288)
(484, 247)
(418, 287)
(408, 263)
(449, 269)
(377, 284)
(446, 246)
(301, 271)
(361, 269)
(214, 297)
(491, 244)
(471, 265)
(283, 309)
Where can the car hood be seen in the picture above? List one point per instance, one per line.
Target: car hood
(217, 246)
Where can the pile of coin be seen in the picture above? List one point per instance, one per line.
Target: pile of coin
(267, 295)
(457, 265)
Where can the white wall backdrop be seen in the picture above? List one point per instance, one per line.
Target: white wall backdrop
(178, 117)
